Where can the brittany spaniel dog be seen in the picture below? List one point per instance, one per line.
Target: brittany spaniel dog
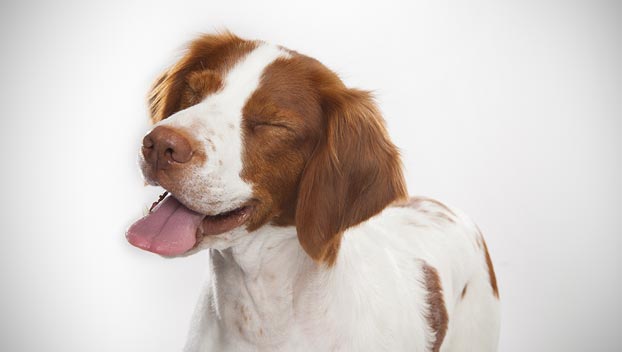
(291, 182)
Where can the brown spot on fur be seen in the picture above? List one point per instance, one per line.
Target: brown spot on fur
(481, 243)
(239, 326)
(464, 291)
(491, 270)
(244, 313)
(437, 316)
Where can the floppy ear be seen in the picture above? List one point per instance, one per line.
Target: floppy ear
(157, 97)
(177, 89)
(353, 174)
(194, 74)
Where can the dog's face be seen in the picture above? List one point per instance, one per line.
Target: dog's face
(247, 134)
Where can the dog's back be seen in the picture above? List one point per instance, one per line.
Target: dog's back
(452, 266)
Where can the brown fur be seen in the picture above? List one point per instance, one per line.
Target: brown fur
(437, 316)
(198, 73)
(317, 154)
(491, 271)
(353, 174)
(282, 123)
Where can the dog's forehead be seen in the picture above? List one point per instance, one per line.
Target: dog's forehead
(242, 80)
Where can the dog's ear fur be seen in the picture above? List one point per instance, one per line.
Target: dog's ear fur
(354, 173)
(157, 97)
(195, 74)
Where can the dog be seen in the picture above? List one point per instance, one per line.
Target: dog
(289, 179)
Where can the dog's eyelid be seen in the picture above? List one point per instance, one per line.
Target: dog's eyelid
(271, 124)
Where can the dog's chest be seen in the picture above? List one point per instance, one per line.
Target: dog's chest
(298, 318)
(271, 312)
(258, 318)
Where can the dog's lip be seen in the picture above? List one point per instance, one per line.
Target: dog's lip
(246, 204)
(244, 212)
(226, 221)
(249, 205)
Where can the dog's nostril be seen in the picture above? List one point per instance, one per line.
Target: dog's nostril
(165, 146)
(147, 141)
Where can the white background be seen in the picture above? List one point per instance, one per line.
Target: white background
(510, 110)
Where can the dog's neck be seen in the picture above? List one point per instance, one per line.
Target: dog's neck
(258, 283)
(266, 250)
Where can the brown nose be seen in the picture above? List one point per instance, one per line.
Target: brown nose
(164, 146)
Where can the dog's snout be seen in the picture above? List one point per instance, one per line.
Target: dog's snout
(164, 146)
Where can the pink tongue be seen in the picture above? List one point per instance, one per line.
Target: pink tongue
(169, 230)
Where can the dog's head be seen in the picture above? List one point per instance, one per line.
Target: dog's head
(247, 133)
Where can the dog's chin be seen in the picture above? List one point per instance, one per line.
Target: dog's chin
(219, 242)
(173, 229)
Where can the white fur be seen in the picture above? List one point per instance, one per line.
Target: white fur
(266, 294)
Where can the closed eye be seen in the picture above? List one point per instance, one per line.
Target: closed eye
(260, 125)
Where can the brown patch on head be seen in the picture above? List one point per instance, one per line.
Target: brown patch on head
(197, 74)
(281, 124)
(437, 316)
(317, 154)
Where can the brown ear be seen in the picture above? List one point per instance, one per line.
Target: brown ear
(157, 97)
(353, 174)
(197, 73)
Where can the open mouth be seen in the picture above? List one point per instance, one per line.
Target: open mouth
(171, 228)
